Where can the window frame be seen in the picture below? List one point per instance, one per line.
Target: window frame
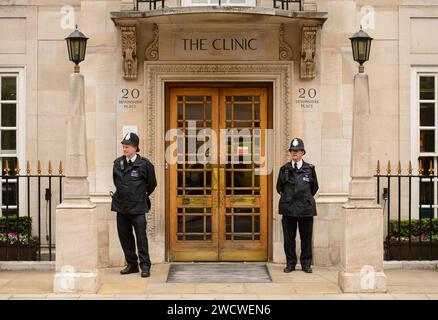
(416, 73)
(20, 128)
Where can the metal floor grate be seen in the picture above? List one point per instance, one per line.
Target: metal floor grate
(218, 273)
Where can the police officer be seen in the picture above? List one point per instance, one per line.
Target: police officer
(134, 178)
(297, 184)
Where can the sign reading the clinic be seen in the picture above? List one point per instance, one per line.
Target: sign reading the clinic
(209, 44)
(130, 99)
(220, 44)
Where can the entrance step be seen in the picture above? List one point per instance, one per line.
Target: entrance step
(218, 273)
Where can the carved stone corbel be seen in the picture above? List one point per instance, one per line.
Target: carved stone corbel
(129, 52)
(285, 51)
(152, 50)
(308, 49)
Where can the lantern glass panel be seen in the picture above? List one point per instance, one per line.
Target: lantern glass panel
(362, 48)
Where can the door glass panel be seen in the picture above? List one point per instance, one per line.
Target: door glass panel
(195, 98)
(242, 178)
(194, 179)
(242, 98)
(242, 237)
(194, 111)
(242, 224)
(194, 224)
(242, 211)
(194, 237)
(242, 111)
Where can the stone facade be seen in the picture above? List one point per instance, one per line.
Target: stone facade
(316, 107)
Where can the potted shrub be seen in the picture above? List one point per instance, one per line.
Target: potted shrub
(404, 240)
(15, 242)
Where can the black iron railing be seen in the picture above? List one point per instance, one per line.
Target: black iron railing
(28, 203)
(410, 209)
(284, 4)
(141, 5)
(148, 4)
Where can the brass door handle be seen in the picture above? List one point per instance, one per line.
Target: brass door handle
(222, 187)
(215, 179)
(222, 199)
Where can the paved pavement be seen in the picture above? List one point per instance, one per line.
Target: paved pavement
(321, 284)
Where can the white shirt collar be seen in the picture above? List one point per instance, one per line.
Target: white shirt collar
(132, 159)
(299, 163)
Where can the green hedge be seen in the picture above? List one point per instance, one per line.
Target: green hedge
(415, 229)
(14, 224)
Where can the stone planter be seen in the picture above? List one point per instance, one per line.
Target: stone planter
(18, 253)
(413, 253)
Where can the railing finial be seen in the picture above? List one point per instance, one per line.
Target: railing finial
(420, 167)
(39, 167)
(430, 168)
(27, 167)
(399, 170)
(7, 169)
(50, 168)
(410, 168)
(17, 168)
(378, 168)
(388, 169)
(60, 168)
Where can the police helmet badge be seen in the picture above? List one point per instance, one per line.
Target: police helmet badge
(295, 142)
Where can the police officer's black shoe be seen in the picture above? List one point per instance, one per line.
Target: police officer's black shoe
(145, 272)
(307, 270)
(130, 268)
(289, 269)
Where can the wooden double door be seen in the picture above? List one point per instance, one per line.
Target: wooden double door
(217, 195)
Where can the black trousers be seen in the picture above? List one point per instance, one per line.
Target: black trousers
(305, 225)
(125, 223)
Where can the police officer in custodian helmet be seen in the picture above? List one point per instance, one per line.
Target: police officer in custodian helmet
(134, 178)
(297, 184)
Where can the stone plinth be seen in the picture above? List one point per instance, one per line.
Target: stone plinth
(76, 248)
(76, 217)
(362, 250)
(361, 268)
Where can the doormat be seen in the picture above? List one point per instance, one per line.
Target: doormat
(218, 273)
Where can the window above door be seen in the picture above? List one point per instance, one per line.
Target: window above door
(188, 3)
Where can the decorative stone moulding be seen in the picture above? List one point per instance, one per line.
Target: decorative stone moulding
(129, 52)
(285, 51)
(152, 52)
(308, 49)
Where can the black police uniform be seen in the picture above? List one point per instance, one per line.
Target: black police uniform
(134, 183)
(297, 205)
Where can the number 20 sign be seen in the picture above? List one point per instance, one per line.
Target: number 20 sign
(129, 99)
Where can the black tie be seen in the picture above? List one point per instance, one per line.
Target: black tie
(130, 162)
(296, 166)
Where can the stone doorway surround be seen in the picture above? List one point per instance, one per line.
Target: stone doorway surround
(280, 73)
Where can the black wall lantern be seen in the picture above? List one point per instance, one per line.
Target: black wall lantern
(76, 45)
(361, 45)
